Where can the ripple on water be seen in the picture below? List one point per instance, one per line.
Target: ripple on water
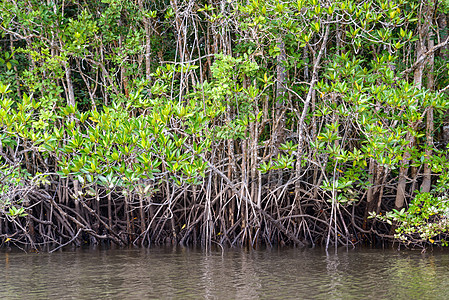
(183, 273)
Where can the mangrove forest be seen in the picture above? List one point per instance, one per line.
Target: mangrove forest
(224, 122)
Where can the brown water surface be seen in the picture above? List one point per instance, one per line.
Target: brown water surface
(185, 273)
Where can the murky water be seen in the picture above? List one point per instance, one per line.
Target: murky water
(183, 273)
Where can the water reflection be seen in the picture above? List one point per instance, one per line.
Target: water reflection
(183, 273)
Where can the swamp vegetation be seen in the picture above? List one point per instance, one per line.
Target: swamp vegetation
(224, 122)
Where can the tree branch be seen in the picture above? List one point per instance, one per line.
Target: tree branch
(425, 57)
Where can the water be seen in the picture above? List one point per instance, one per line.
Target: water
(183, 273)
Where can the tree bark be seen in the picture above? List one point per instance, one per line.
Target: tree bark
(70, 93)
(279, 122)
(427, 180)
